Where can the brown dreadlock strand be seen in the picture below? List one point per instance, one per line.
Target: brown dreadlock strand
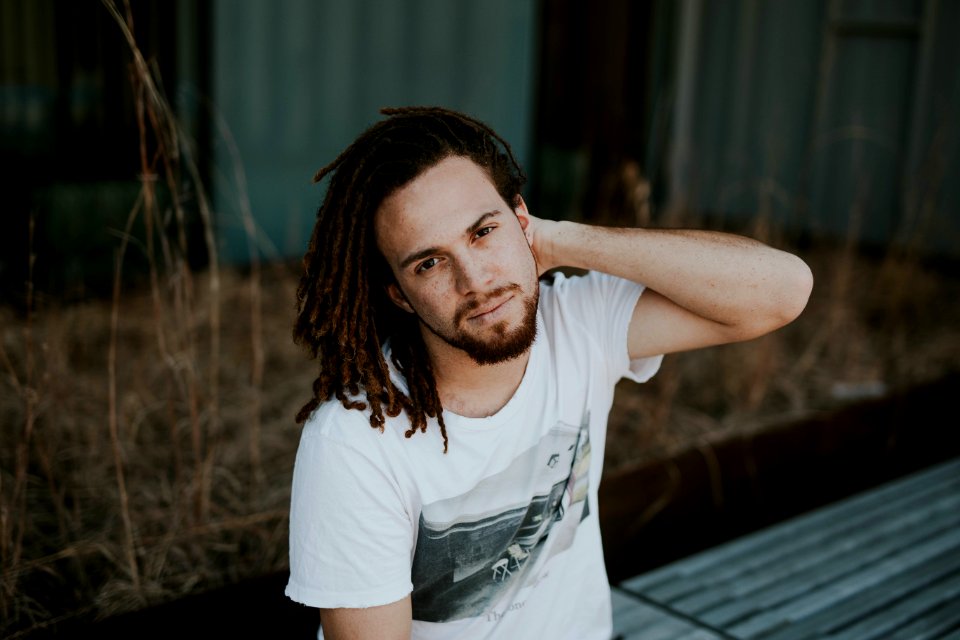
(343, 313)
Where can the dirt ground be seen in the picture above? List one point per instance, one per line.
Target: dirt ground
(152, 460)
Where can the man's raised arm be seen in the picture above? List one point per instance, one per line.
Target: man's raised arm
(705, 287)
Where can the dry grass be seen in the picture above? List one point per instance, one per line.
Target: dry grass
(70, 536)
(135, 461)
(187, 516)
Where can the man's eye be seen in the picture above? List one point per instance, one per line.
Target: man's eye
(429, 263)
(482, 232)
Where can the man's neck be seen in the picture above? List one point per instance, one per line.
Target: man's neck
(472, 390)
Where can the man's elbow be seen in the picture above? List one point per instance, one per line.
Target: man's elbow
(784, 304)
(797, 291)
(792, 295)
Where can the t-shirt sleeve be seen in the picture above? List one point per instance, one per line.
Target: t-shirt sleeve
(605, 305)
(351, 538)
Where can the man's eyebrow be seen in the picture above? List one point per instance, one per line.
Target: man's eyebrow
(424, 253)
(479, 223)
(419, 255)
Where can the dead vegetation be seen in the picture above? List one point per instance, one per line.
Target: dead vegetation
(102, 515)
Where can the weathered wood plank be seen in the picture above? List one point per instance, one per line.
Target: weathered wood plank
(942, 624)
(881, 564)
(953, 635)
(668, 582)
(806, 562)
(919, 605)
(818, 578)
(874, 599)
(793, 610)
(634, 619)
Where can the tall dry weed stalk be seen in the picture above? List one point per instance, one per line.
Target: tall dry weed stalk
(13, 510)
(176, 338)
(256, 311)
(176, 335)
(173, 517)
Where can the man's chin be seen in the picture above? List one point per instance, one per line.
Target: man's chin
(492, 356)
(504, 347)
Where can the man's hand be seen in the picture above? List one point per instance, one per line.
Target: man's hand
(540, 235)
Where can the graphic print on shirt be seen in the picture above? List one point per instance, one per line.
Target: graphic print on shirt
(476, 548)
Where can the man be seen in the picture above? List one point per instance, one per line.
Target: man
(469, 510)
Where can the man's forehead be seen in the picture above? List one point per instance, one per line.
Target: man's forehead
(440, 207)
(451, 191)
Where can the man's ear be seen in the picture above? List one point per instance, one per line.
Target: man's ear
(398, 298)
(523, 216)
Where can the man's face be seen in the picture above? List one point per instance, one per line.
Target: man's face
(461, 261)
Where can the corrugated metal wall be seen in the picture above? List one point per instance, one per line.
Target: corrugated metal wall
(836, 117)
(296, 81)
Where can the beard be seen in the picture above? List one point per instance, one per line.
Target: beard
(506, 344)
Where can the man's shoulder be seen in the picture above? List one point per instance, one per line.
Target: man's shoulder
(331, 420)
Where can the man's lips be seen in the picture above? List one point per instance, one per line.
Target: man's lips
(490, 308)
(481, 307)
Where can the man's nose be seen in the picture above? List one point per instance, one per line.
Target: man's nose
(473, 276)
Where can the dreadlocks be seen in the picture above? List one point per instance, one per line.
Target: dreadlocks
(343, 312)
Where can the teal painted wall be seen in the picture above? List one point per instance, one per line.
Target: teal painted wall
(295, 81)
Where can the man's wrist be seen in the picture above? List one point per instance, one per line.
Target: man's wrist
(560, 243)
(563, 245)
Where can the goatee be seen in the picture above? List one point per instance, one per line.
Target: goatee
(506, 345)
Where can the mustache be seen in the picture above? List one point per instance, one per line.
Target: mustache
(479, 300)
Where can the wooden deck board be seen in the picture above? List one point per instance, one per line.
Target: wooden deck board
(634, 619)
(829, 523)
(808, 602)
(882, 564)
(814, 560)
(943, 624)
(923, 605)
(842, 611)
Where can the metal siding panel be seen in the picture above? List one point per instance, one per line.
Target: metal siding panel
(435, 50)
(339, 71)
(932, 211)
(859, 138)
(384, 39)
(873, 155)
(880, 9)
(713, 105)
(299, 65)
(297, 81)
(756, 72)
(497, 46)
(781, 120)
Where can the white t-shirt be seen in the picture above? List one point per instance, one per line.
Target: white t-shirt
(500, 537)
